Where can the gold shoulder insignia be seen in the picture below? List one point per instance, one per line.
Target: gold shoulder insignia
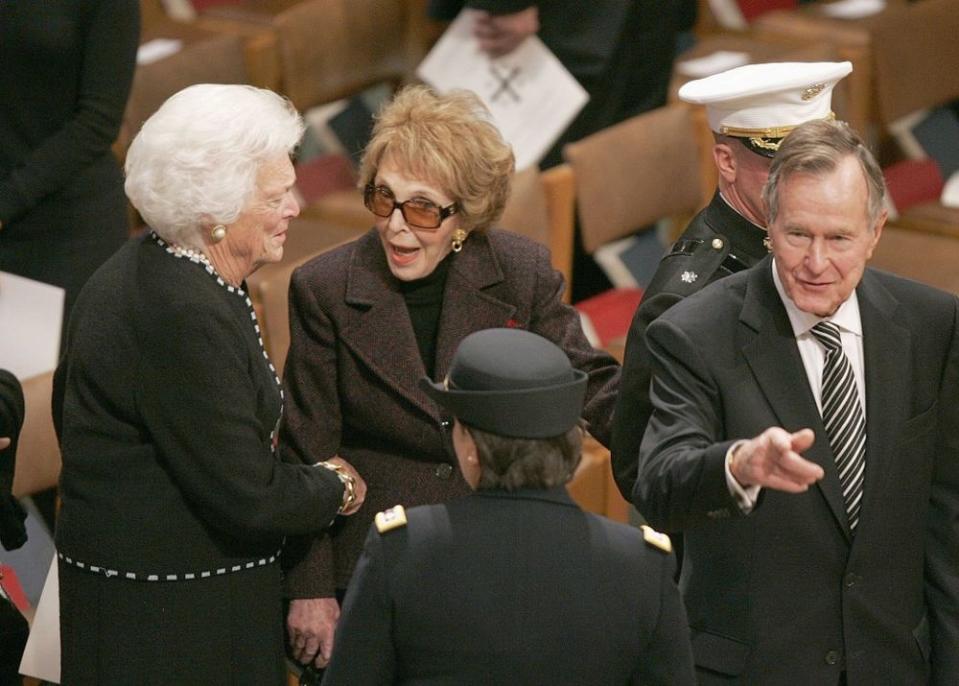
(390, 519)
(650, 535)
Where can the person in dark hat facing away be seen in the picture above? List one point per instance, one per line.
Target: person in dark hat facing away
(513, 584)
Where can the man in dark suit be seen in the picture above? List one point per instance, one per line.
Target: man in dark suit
(805, 440)
(513, 584)
(750, 109)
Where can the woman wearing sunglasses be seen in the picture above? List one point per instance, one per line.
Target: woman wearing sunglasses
(370, 319)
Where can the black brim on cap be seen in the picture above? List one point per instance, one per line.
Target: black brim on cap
(533, 413)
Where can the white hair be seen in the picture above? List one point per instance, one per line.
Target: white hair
(195, 161)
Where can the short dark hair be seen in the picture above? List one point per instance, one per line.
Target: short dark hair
(514, 463)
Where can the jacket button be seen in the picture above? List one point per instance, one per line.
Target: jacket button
(832, 657)
(717, 244)
(851, 580)
(445, 423)
(443, 471)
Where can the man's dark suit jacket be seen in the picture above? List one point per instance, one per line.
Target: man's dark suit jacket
(354, 366)
(718, 242)
(511, 588)
(786, 595)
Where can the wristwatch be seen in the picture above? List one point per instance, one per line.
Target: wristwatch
(349, 484)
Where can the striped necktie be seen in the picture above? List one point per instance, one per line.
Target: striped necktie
(843, 417)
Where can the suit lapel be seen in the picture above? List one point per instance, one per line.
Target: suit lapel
(467, 307)
(378, 328)
(886, 368)
(769, 346)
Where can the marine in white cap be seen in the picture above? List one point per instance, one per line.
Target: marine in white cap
(750, 110)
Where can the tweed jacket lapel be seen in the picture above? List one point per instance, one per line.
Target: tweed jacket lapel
(467, 306)
(888, 372)
(378, 328)
(769, 347)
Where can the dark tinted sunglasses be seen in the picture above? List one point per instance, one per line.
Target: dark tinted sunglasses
(418, 212)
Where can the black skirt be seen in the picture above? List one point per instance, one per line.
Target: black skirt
(221, 630)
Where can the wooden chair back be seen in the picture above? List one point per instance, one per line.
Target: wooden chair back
(637, 172)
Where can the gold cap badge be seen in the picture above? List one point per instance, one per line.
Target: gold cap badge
(812, 91)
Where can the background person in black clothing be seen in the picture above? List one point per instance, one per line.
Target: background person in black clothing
(66, 72)
(620, 51)
(513, 584)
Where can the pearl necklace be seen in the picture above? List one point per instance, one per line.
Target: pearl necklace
(192, 255)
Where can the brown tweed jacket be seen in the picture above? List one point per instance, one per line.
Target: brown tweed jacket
(353, 367)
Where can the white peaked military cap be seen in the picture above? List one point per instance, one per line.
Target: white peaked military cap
(761, 103)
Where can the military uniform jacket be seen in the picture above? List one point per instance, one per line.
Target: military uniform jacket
(787, 594)
(354, 366)
(511, 588)
(718, 242)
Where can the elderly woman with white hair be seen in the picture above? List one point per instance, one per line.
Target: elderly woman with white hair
(174, 501)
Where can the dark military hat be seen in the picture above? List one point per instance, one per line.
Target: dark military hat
(511, 382)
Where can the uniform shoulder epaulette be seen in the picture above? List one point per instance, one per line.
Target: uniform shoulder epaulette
(390, 519)
(655, 539)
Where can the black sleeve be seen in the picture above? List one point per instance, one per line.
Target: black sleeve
(682, 459)
(12, 532)
(560, 323)
(633, 408)
(199, 402)
(11, 419)
(109, 59)
(11, 405)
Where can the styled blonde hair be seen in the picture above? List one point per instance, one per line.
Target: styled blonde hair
(447, 140)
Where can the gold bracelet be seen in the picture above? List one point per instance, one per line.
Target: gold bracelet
(349, 484)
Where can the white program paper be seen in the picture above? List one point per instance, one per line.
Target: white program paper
(31, 315)
(531, 95)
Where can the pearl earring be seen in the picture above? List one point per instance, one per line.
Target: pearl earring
(218, 233)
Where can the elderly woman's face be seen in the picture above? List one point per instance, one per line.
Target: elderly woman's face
(258, 234)
(411, 252)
